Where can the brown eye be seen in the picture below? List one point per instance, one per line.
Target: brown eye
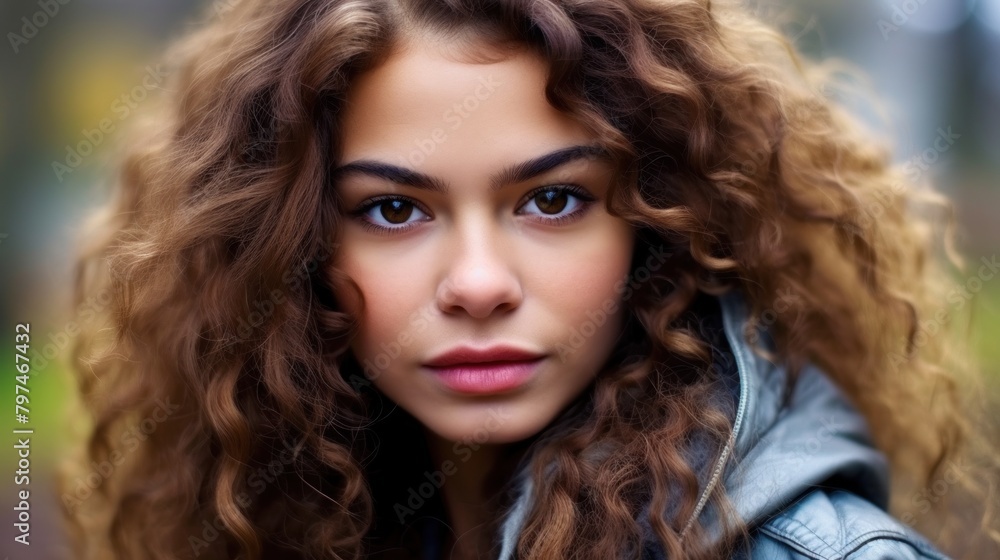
(390, 214)
(552, 201)
(555, 204)
(396, 211)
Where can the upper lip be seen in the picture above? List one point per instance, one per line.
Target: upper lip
(471, 355)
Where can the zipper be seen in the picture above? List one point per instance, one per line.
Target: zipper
(732, 334)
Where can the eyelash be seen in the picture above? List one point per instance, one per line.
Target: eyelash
(579, 192)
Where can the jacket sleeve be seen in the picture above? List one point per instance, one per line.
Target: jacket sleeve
(877, 547)
(839, 525)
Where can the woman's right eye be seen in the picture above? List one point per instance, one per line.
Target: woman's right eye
(389, 213)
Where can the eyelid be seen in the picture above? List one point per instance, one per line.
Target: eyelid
(368, 203)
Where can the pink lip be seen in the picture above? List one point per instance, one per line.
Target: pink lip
(481, 371)
(484, 378)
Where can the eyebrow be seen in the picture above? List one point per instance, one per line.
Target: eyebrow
(514, 173)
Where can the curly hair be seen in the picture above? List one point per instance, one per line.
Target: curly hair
(216, 253)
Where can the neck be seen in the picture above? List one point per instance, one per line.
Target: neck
(468, 489)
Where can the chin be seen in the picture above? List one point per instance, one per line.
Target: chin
(496, 424)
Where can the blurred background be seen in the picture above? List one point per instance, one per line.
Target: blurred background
(74, 71)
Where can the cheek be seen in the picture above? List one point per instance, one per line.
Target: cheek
(580, 283)
(391, 297)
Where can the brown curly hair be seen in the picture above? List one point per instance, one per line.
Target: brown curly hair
(216, 253)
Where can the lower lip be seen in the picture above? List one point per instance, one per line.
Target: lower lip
(482, 379)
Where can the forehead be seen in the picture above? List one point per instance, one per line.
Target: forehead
(424, 105)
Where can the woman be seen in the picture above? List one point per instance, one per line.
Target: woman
(532, 279)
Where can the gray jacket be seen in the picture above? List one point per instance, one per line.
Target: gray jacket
(806, 479)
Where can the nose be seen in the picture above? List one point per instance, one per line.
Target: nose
(481, 279)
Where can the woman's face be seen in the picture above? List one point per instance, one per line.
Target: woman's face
(474, 219)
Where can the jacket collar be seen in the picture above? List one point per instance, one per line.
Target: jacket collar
(777, 450)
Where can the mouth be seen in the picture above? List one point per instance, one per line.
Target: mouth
(463, 355)
(486, 377)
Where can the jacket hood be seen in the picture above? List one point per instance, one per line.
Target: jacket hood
(780, 448)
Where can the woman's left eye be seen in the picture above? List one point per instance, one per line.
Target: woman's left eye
(557, 203)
